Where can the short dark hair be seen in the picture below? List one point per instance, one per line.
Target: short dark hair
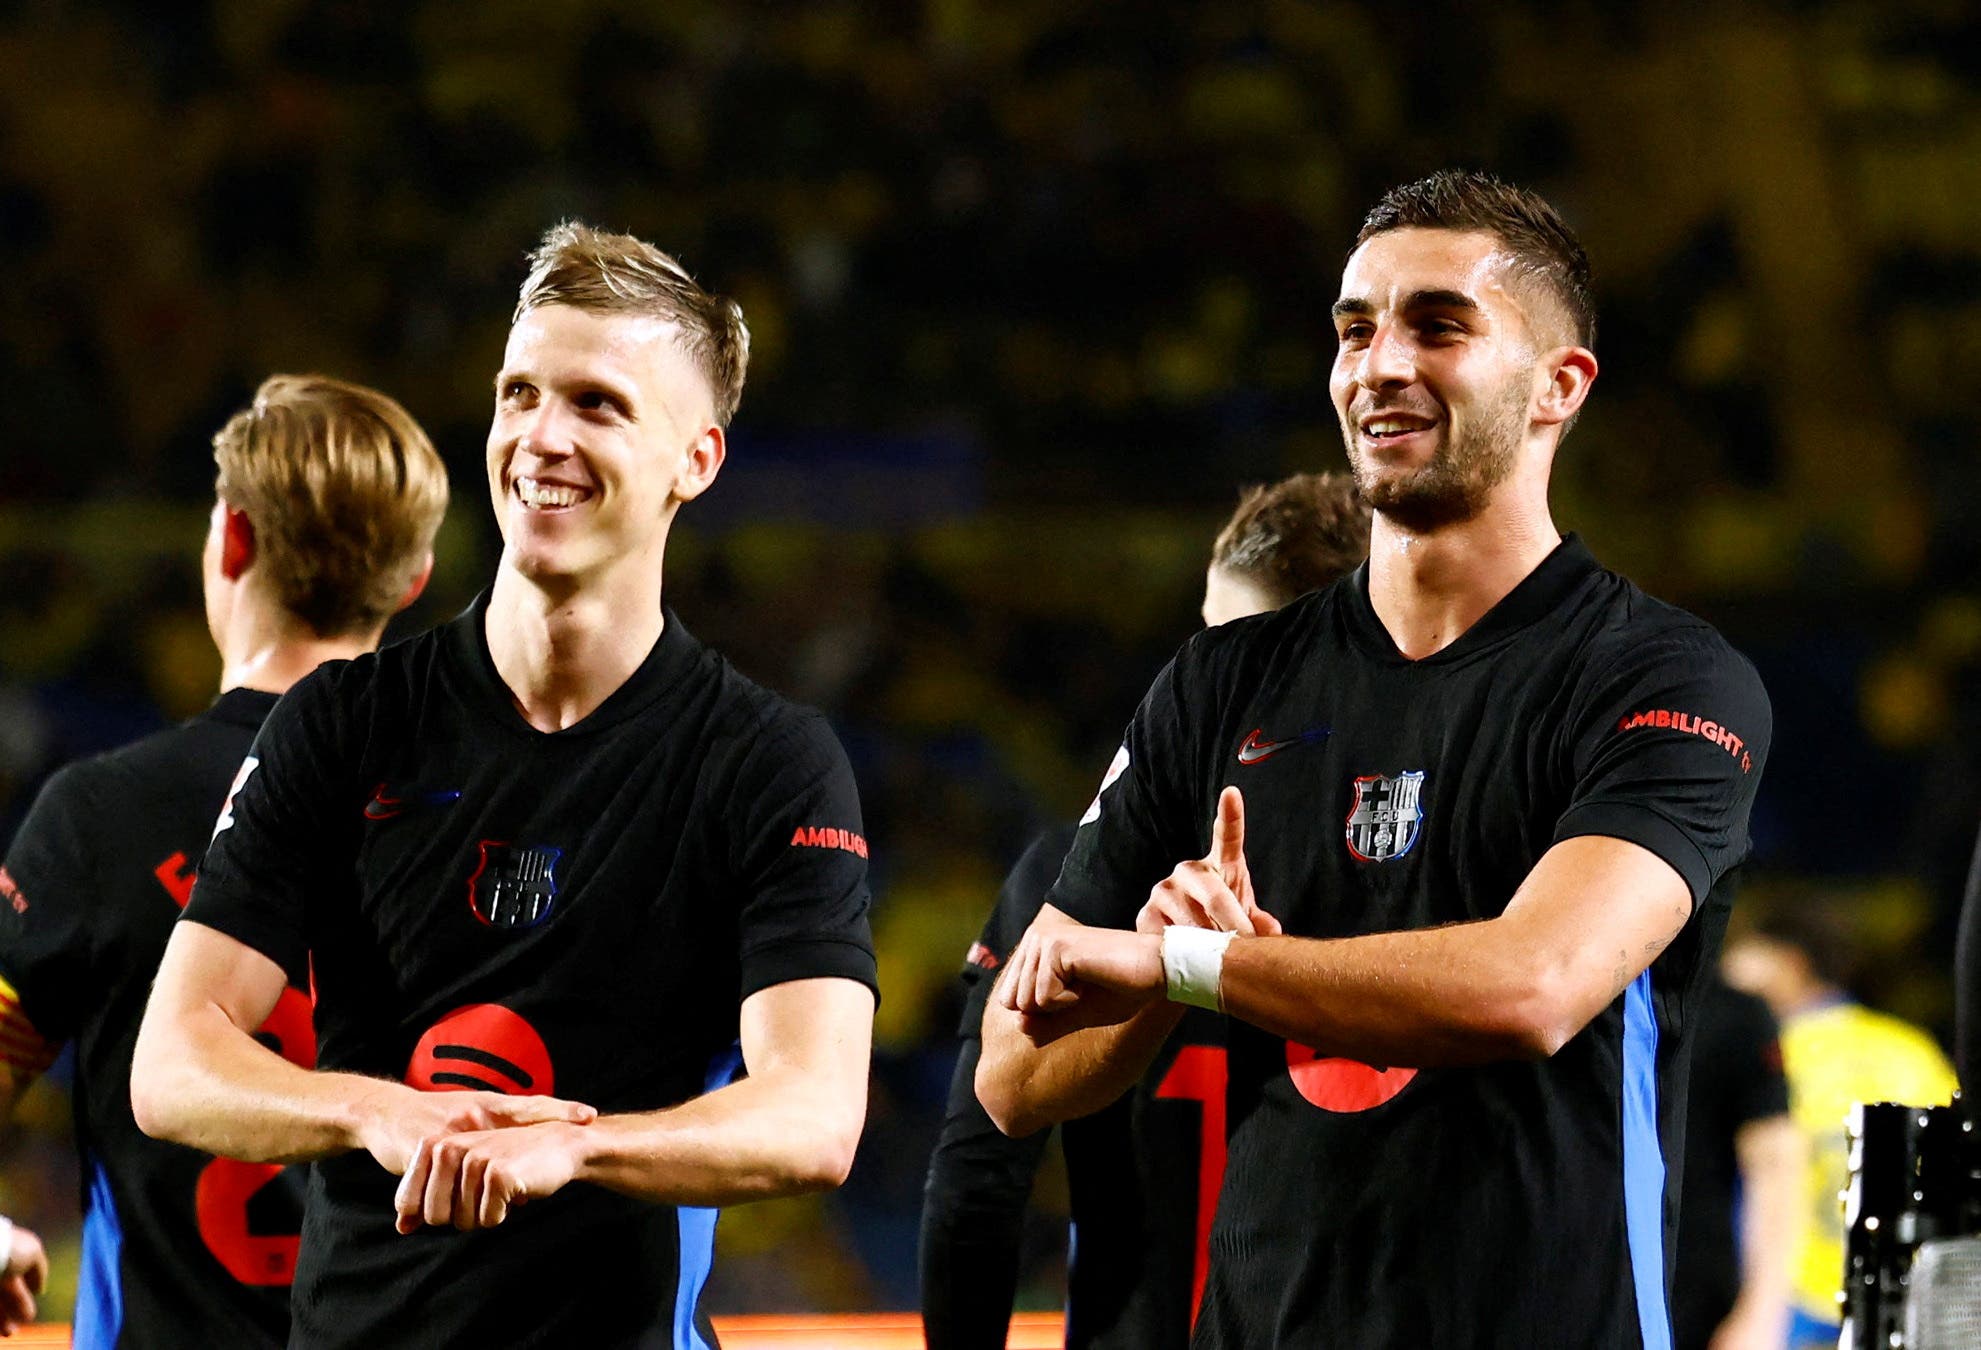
(1814, 927)
(1544, 249)
(1296, 535)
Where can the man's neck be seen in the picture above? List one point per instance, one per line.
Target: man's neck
(272, 655)
(562, 652)
(1428, 588)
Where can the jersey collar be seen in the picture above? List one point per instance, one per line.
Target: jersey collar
(1540, 593)
(241, 708)
(662, 675)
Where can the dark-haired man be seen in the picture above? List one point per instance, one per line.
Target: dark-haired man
(1486, 787)
(1144, 1172)
(556, 850)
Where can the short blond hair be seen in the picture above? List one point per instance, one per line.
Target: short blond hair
(345, 493)
(587, 268)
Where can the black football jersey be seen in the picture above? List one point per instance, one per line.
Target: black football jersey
(1143, 1175)
(1516, 1204)
(175, 1242)
(578, 913)
(1737, 1079)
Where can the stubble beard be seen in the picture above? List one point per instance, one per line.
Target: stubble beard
(1460, 478)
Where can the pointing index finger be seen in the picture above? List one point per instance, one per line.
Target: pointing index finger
(1228, 835)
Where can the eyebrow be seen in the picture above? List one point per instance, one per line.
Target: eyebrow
(1450, 300)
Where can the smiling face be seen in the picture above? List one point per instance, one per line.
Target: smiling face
(602, 428)
(1442, 358)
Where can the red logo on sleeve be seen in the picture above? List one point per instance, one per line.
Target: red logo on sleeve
(980, 955)
(1692, 724)
(11, 893)
(812, 836)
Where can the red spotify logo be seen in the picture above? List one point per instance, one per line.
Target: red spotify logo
(483, 1047)
(1343, 1085)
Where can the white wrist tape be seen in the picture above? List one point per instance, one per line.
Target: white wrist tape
(6, 1241)
(1193, 966)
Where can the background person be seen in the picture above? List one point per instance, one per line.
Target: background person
(1740, 1210)
(326, 502)
(1837, 1053)
(1144, 1172)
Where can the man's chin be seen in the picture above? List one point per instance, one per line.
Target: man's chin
(547, 568)
(1422, 506)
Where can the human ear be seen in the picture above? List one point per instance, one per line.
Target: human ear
(701, 462)
(1571, 373)
(418, 585)
(237, 543)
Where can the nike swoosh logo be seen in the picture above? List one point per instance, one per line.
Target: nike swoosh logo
(382, 807)
(1257, 748)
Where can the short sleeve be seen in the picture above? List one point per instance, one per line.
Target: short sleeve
(1669, 747)
(801, 860)
(46, 887)
(1018, 903)
(281, 841)
(1143, 820)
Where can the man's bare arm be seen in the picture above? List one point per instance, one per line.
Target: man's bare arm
(1040, 1068)
(790, 1127)
(200, 1077)
(1590, 917)
(1051, 1055)
(1773, 1159)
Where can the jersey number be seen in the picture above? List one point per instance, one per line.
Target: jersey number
(1199, 1075)
(226, 1186)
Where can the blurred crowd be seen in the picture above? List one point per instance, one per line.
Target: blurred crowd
(1034, 289)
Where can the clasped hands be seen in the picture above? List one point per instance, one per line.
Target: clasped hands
(1061, 964)
(464, 1159)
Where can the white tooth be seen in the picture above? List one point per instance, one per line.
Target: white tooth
(538, 494)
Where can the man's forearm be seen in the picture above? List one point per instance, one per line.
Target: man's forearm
(199, 1080)
(1773, 1158)
(756, 1139)
(1429, 997)
(1590, 917)
(1041, 1070)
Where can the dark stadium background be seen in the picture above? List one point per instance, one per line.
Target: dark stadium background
(1036, 286)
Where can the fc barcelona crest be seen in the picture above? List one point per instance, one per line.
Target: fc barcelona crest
(1386, 818)
(514, 886)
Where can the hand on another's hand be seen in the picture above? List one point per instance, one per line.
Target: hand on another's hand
(1214, 891)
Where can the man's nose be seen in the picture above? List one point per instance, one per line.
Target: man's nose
(549, 431)
(1390, 359)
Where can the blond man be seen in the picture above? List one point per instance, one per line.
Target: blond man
(326, 503)
(558, 853)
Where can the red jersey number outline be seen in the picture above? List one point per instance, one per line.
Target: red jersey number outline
(226, 1185)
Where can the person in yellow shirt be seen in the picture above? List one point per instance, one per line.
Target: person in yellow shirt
(1836, 1052)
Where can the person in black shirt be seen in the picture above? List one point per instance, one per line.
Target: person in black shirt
(556, 853)
(1486, 787)
(327, 501)
(1144, 1172)
(1730, 1291)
